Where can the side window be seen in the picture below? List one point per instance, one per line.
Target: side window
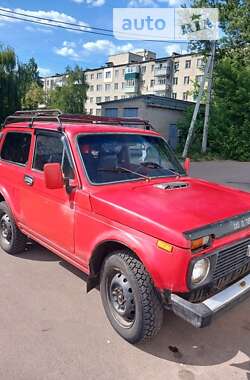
(16, 147)
(51, 149)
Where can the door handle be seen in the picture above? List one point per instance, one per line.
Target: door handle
(28, 180)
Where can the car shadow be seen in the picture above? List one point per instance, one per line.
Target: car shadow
(178, 341)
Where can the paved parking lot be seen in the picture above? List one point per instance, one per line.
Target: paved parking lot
(51, 329)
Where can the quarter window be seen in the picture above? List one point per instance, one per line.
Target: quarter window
(16, 147)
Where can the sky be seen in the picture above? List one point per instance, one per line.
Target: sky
(54, 49)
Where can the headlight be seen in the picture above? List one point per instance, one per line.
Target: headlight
(200, 271)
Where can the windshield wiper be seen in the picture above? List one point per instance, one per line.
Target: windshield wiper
(120, 169)
(155, 165)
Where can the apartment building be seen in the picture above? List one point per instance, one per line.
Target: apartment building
(49, 83)
(130, 74)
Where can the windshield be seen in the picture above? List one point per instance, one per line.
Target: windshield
(110, 158)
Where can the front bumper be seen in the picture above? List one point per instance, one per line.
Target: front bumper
(201, 314)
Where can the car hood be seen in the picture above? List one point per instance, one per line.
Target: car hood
(168, 209)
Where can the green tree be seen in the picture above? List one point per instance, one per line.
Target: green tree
(8, 82)
(33, 97)
(229, 126)
(27, 74)
(70, 98)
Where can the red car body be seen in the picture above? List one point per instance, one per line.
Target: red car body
(80, 225)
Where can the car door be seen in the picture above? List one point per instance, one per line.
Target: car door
(49, 214)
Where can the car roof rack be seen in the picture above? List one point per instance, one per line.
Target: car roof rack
(55, 115)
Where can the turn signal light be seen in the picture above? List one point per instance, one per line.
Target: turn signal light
(200, 243)
(165, 246)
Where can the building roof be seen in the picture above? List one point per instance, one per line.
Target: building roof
(155, 101)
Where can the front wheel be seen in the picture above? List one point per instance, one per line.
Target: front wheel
(129, 297)
(11, 238)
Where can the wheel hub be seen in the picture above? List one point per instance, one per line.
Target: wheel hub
(5, 228)
(121, 298)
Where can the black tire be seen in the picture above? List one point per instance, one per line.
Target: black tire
(144, 320)
(12, 240)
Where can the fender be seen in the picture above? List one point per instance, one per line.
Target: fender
(166, 270)
(9, 200)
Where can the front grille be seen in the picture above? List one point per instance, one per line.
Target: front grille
(232, 259)
(232, 264)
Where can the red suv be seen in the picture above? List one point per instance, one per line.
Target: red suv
(114, 201)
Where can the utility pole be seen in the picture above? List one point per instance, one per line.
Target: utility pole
(196, 109)
(208, 102)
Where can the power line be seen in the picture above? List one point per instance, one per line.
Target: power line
(69, 26)
(56, 25)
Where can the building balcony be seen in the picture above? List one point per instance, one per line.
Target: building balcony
(162, 89)
(131, 89)
(132, 69)
(162, 71)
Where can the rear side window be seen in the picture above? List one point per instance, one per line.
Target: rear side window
(16, 147)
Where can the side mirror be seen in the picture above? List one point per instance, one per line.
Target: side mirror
(53, 176)
(187, 164)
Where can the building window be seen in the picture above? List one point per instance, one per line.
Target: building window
(86, 77)
(92, 76)
(130, 112)
(162, 81)
(174, 95)
(185, 96)
(123, 71)
(175, 80)
(115, 97)
(98, 87)
(123, 97)
(108, 74)
(116, 86)
(143, 83)
(111, 112)
(130, 82)
(200, 62)
(188, 64)
(91, 100)
(152, 82)
(107, 98)
(98, 99)
(143, 69)
(99, 75)
(116, 73)
(99, 112)
(107, 87)
(176, 66)
(123, 84)
(91, 88)
(199, 78)
(152, 68)
(186, 80)
(91, 111)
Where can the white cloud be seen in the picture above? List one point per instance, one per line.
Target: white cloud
(67, 50)
(52, 15)
(106, 46)
(142, 3)
(152, 3)
(44, 71)
(175, 48)
(34, 29)
(93, 3)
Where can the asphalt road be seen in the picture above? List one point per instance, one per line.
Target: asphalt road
(51, 329)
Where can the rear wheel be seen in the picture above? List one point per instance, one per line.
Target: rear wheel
(129, 297)
(11, 238)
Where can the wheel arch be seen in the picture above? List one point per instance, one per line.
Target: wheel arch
(98, 256)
